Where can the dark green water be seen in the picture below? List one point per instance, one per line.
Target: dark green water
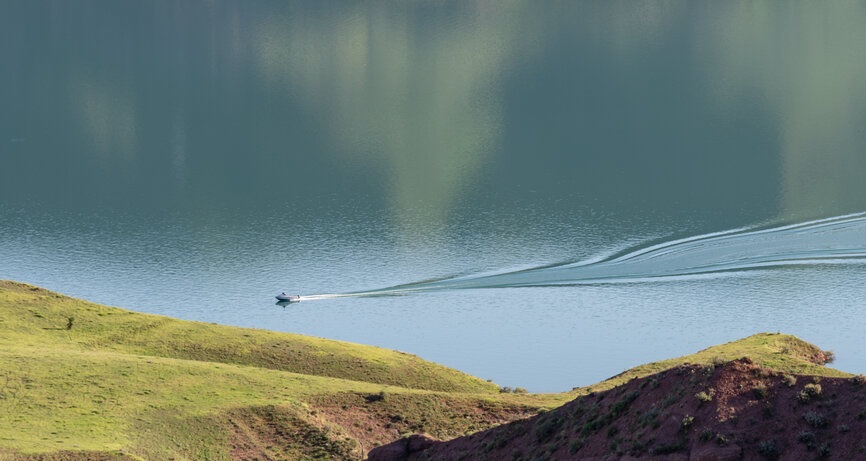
(195, 158)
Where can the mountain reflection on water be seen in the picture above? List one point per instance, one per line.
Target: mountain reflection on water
(193, 159)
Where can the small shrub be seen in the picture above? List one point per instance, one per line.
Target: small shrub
(858, 380)
(809, 392)
(815, 420)
(671, 399)
(808, 438)
(576, 445)
(768, 449)
(706, 434)
(69, 321)
(721, 439)
(592, 426)
(687, 421)
(546, 427)
(512, 390)
(706, 396)
(824, 450)
(830, 357)
(650, 418)
(621, 405)
(789, 380)
(760, 392)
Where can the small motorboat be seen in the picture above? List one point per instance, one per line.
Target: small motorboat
(289, 298)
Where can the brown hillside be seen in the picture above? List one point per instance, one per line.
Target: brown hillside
(735, 411)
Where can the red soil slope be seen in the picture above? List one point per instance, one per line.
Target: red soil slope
(736, 411)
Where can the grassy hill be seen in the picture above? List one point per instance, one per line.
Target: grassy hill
(81, 381)
(775, 351)
(41, 318)
(736, 410)
(754, 398)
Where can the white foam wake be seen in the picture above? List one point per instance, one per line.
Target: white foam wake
(837, 240)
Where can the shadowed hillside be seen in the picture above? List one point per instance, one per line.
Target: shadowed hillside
(726, 411)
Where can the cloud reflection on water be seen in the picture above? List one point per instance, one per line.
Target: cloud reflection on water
(420, 105)
(803, 64)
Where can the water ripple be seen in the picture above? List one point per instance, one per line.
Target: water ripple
(836, 240)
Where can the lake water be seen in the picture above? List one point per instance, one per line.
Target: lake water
(541, 194)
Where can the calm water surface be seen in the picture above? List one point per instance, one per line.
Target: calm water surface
(559, 191)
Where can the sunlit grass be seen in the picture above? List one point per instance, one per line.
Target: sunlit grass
(780, 352)
(92, 397)
(79, 376)
(39, 317)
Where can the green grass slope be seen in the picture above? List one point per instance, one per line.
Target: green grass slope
(39, 317)
(776, 351)
(84, 381)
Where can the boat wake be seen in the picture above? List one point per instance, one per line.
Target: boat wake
(837, 240)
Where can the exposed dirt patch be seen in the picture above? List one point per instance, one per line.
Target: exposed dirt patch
(377, 419)
(734, 411)
(272, 433)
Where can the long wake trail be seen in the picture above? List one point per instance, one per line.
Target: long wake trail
(836, 240)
